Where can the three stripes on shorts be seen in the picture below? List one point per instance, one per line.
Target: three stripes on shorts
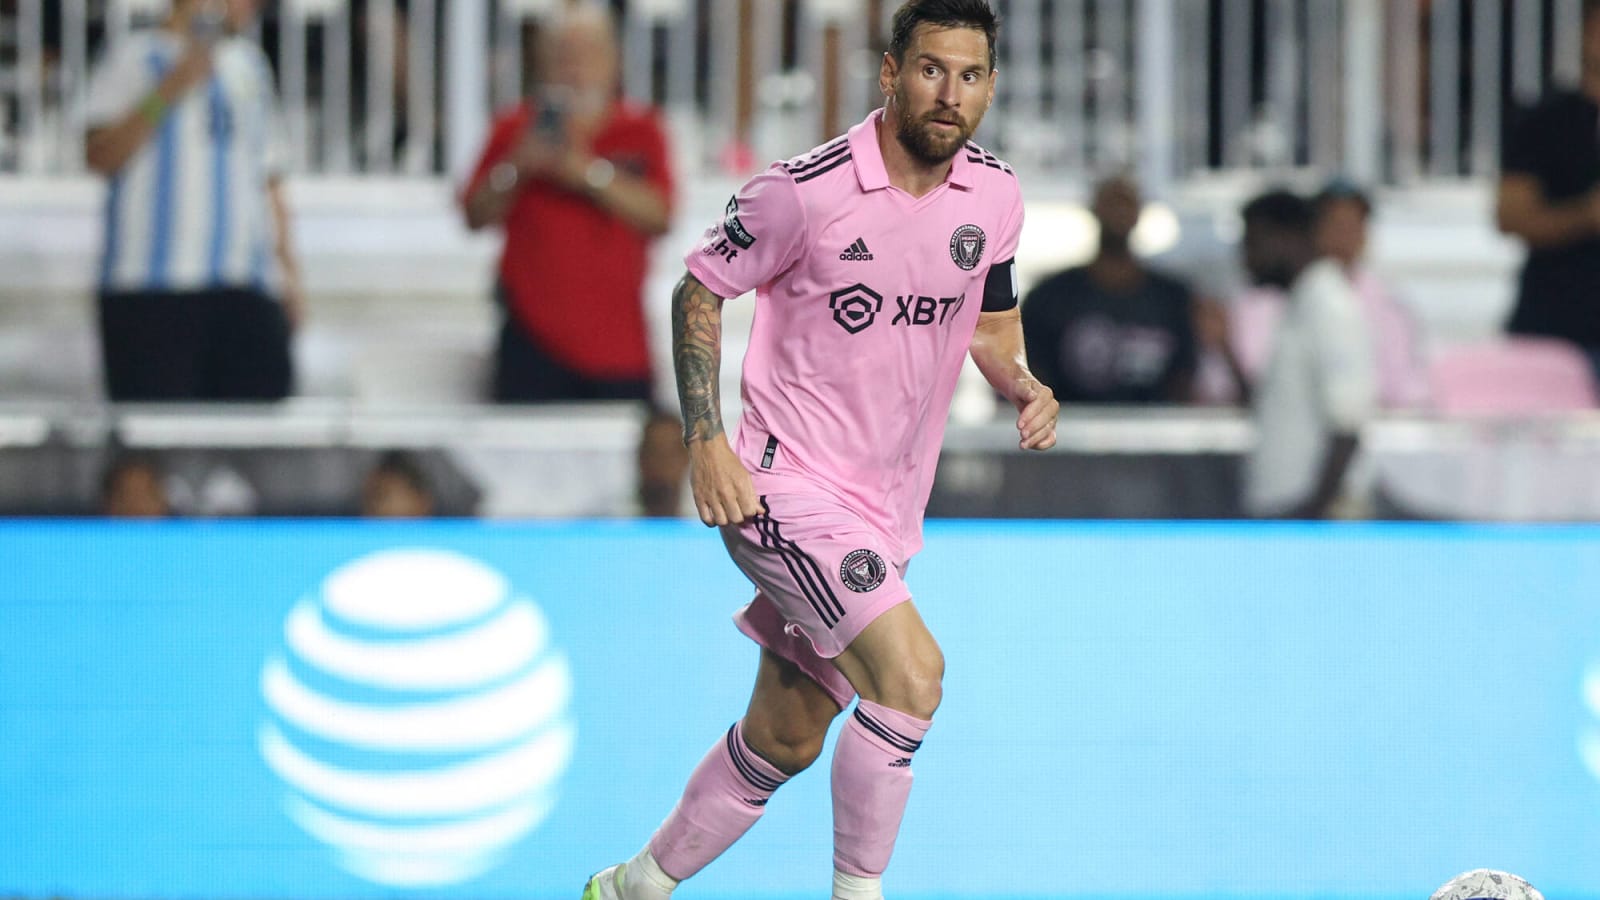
(807, 574)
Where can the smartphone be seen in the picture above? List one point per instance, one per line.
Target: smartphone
(550, 118)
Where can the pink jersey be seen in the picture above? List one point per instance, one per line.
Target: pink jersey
(867, 299)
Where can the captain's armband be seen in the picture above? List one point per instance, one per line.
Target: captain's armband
(1000, 288)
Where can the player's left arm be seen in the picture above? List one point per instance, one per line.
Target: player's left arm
(997, 348)
(293, 290)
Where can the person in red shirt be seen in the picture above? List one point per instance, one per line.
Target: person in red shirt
(580, 182)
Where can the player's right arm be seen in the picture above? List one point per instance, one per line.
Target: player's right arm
(723, 492)
(760, 235)
(123, 121)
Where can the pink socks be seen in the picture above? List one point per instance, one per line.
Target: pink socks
(729, 790)
(871, 781)
(726, 795)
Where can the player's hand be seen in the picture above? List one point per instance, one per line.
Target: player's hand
(1037, 411)
(723, 491)
(536, 157)
(192, 69)
(294, 301)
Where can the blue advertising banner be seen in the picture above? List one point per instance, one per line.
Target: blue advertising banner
(461, 709)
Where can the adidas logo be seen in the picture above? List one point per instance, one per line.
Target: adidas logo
(857, 252)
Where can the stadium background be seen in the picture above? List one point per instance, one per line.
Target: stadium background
(1338, 710)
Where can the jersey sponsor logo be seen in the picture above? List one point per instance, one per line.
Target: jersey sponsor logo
(919, 310)
(862, 570)
(966, 246)
(857, 252)
(855, 307)
(733, 228)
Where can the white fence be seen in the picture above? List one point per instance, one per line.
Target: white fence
(1387, 91)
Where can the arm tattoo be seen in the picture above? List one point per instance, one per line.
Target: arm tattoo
(697, 357)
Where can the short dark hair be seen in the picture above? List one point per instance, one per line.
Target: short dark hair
(125, 461)
(944, 14)
(1283, 209)
(405, 466)
(1342, 189)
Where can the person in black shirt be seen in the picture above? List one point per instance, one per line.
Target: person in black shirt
(1112, 331)
(1549, 196)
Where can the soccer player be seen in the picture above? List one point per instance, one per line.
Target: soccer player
(879, 260)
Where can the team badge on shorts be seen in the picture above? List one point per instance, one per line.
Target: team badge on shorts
(966, 246)
(862, 570)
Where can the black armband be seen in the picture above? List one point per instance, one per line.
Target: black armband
(1000, 288)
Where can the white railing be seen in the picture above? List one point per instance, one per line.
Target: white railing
(1391, 91)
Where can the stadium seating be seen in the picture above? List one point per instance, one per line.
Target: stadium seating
(1512, 376)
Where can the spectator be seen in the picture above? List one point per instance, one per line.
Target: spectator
(1320, 385)
(199, 289)
(134, 487)
(1343, 214)
(663, 459)
(397, 488)
(580, 182)
(1549, 196)
(1112, 331)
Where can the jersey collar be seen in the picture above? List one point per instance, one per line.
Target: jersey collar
(868, 159)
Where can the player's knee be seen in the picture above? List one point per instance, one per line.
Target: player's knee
(918, 685)
(789, 746)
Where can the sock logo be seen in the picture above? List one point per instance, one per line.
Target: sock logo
(903, 762)
(417, 715)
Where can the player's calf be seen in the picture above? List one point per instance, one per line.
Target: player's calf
(871, 781)
(726, 795)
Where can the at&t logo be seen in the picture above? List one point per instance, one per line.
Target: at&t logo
(417, 713)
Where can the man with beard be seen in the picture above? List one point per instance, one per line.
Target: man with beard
(879, 261)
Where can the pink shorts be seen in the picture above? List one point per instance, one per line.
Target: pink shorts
(821, 578)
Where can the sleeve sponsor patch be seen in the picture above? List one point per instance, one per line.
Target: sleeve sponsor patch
(733, 228)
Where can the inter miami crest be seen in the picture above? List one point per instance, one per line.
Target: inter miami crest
(862, 570)
(966, 246)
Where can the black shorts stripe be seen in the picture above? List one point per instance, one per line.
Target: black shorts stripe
(818, 157)
(746, 768)
(807, 562)
(824, 170)
(802, 566)
(889, 735)
(769, 540)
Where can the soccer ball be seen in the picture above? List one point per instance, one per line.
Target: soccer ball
(1487, 884)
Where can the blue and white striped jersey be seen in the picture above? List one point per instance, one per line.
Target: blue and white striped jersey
(189, 210)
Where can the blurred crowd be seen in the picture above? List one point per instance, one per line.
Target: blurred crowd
(200, 296)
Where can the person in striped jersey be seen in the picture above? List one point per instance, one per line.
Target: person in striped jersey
(198, 285)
